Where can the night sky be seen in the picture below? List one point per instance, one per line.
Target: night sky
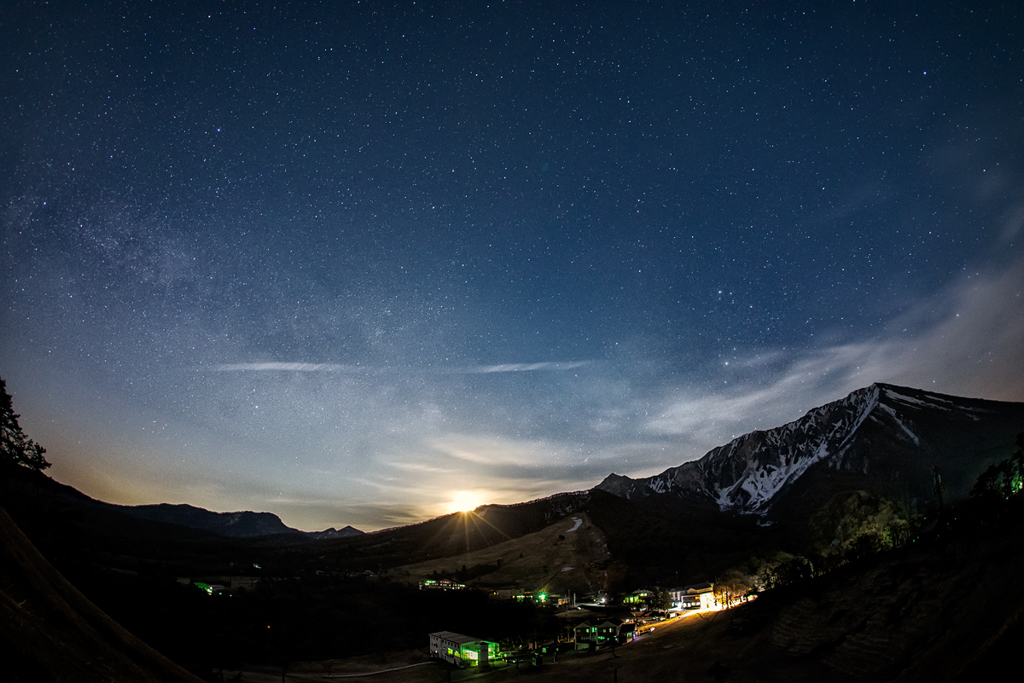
(365, 262)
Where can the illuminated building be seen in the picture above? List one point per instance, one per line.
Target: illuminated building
(461, 650)
(697, 596)
(591, 635)
(440, 585)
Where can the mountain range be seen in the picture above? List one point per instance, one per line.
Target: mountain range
(751, 496)
(891, 440)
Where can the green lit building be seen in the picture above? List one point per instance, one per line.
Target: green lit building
(640, 597)
(461, 650)
(591, 635)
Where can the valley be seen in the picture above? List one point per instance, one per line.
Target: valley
(861, 571)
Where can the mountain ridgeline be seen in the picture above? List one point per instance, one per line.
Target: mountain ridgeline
(890, 440)
(750, 497)
(245, 524)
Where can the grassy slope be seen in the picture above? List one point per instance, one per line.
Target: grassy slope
(534, 561)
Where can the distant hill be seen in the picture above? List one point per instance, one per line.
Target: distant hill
(230, 524)
(237, 525)
(345, 532)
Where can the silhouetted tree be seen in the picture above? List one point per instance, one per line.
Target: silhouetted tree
(15, 447)
(1005, 478)
(786, 572)
(661, 600)
(854, 524)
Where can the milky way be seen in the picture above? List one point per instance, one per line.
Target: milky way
(353, 262)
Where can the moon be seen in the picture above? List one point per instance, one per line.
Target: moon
(464, 501)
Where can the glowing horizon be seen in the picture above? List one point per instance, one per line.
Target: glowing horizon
(466, 501)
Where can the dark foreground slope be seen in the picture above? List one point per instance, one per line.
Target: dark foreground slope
(50, 632)
(945, 608)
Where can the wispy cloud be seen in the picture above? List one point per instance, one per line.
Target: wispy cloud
(279, 366)
(493, 452)
(286, 367)
(526, 367)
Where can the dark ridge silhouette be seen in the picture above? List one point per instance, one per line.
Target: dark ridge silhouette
(51, 632)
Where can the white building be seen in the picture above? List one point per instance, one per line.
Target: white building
(461, 650)
(698, 596)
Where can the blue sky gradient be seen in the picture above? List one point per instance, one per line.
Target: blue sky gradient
(341, 262)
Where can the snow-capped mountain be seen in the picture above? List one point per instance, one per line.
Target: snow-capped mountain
(880, 436)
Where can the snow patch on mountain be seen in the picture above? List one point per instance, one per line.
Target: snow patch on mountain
(902, 425)
(784, 454)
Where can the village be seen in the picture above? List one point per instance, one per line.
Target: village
(591, 623)
(600, 634)
(600, 629)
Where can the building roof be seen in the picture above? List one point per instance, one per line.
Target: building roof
(601, 622)
(698, 588)
(456, 637)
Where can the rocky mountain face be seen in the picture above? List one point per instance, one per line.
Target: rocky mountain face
(884, 438)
